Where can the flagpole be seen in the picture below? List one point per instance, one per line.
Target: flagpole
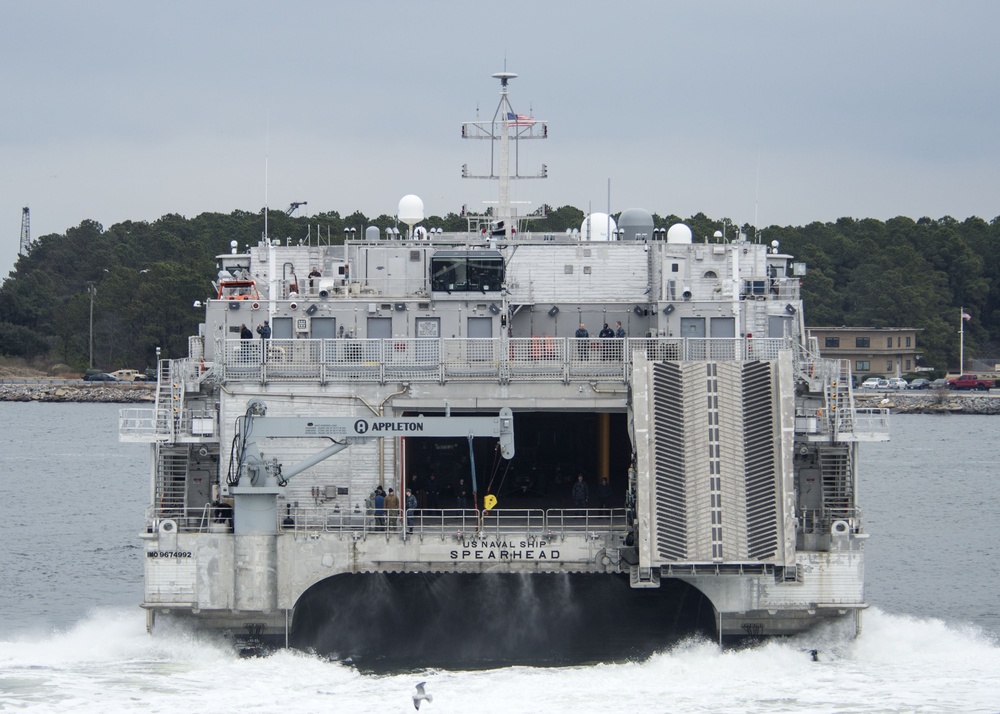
(961, 341)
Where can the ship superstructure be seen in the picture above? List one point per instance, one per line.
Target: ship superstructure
(718, 451)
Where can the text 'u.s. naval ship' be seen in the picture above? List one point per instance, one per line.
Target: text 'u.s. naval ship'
(502, 445)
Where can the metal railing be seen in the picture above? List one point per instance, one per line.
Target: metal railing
(825, 520)
(418, 522)
(540, 358)
(141, 424)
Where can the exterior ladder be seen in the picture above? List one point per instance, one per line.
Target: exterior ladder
(163, 406)
(171, 481)
(840, 402)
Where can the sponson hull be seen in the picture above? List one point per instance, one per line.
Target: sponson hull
(718, 452)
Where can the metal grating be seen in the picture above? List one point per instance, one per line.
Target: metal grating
(669, 462)
(759, 438)
(171, 482)
(838, 496)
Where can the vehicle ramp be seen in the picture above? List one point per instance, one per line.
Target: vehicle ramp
(713, 465)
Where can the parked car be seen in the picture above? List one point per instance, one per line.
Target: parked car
(101, 377)
(939, 384)
(919, 383)
(897, 383)
(871, 383)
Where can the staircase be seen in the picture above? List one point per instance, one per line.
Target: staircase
(840, 402)
(169, 402)
(171, 482)
(838, 490)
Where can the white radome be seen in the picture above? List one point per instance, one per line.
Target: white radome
(598, 227)
(411, 209)
(678, 233)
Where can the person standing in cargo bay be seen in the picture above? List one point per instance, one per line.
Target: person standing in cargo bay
(580, 492)
(392, 507)
(411, 506)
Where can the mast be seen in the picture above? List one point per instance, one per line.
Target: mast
(506, 129)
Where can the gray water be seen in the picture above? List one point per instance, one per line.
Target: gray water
(73, 503)
(72, 636)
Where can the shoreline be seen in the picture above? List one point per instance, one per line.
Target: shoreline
(930, 402)
(902, 402)
(61, 390)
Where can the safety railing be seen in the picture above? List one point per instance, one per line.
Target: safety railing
(218, 518)
(141, 425)
(539, 358)
(839, 521)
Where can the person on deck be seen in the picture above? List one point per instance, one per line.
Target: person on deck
(605, 333)
(379, 508)
(411, 506)
(392, 508)
(313, 274)
(264, 330)
(245, 349)
(582, 334)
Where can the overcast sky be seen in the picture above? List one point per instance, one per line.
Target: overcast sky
(774, 112)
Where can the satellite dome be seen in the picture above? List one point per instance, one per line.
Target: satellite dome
(635, 224)
(598, 227)
(411, 210)
(678, 233)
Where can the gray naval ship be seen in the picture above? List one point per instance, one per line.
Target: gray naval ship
(590, 443)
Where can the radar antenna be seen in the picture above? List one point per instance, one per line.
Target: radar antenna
(294, 205)
(506, 127)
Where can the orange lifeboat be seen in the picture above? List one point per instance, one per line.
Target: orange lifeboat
(238, 290)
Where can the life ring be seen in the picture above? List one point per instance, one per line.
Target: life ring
(840, 528)
(255, 306)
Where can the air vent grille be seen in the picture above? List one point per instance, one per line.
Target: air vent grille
(758, 439)
(669, 474)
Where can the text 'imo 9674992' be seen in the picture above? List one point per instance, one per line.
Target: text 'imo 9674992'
(431, 450)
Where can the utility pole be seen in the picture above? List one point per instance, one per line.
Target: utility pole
(92, 289)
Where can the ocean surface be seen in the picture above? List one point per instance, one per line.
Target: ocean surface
(73, 639)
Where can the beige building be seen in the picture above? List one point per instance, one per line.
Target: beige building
(885, 351)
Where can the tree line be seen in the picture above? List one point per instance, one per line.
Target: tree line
(131, 288)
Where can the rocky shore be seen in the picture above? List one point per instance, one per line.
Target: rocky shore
(72, 391)
(930, 402)
(901, 402)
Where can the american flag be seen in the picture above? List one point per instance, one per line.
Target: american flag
(966, 316)
(519, 120)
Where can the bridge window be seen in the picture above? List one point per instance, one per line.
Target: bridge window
(466, 271)
(832, 342)
(862, 342)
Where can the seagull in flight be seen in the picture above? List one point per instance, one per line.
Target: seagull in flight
(420, 695)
